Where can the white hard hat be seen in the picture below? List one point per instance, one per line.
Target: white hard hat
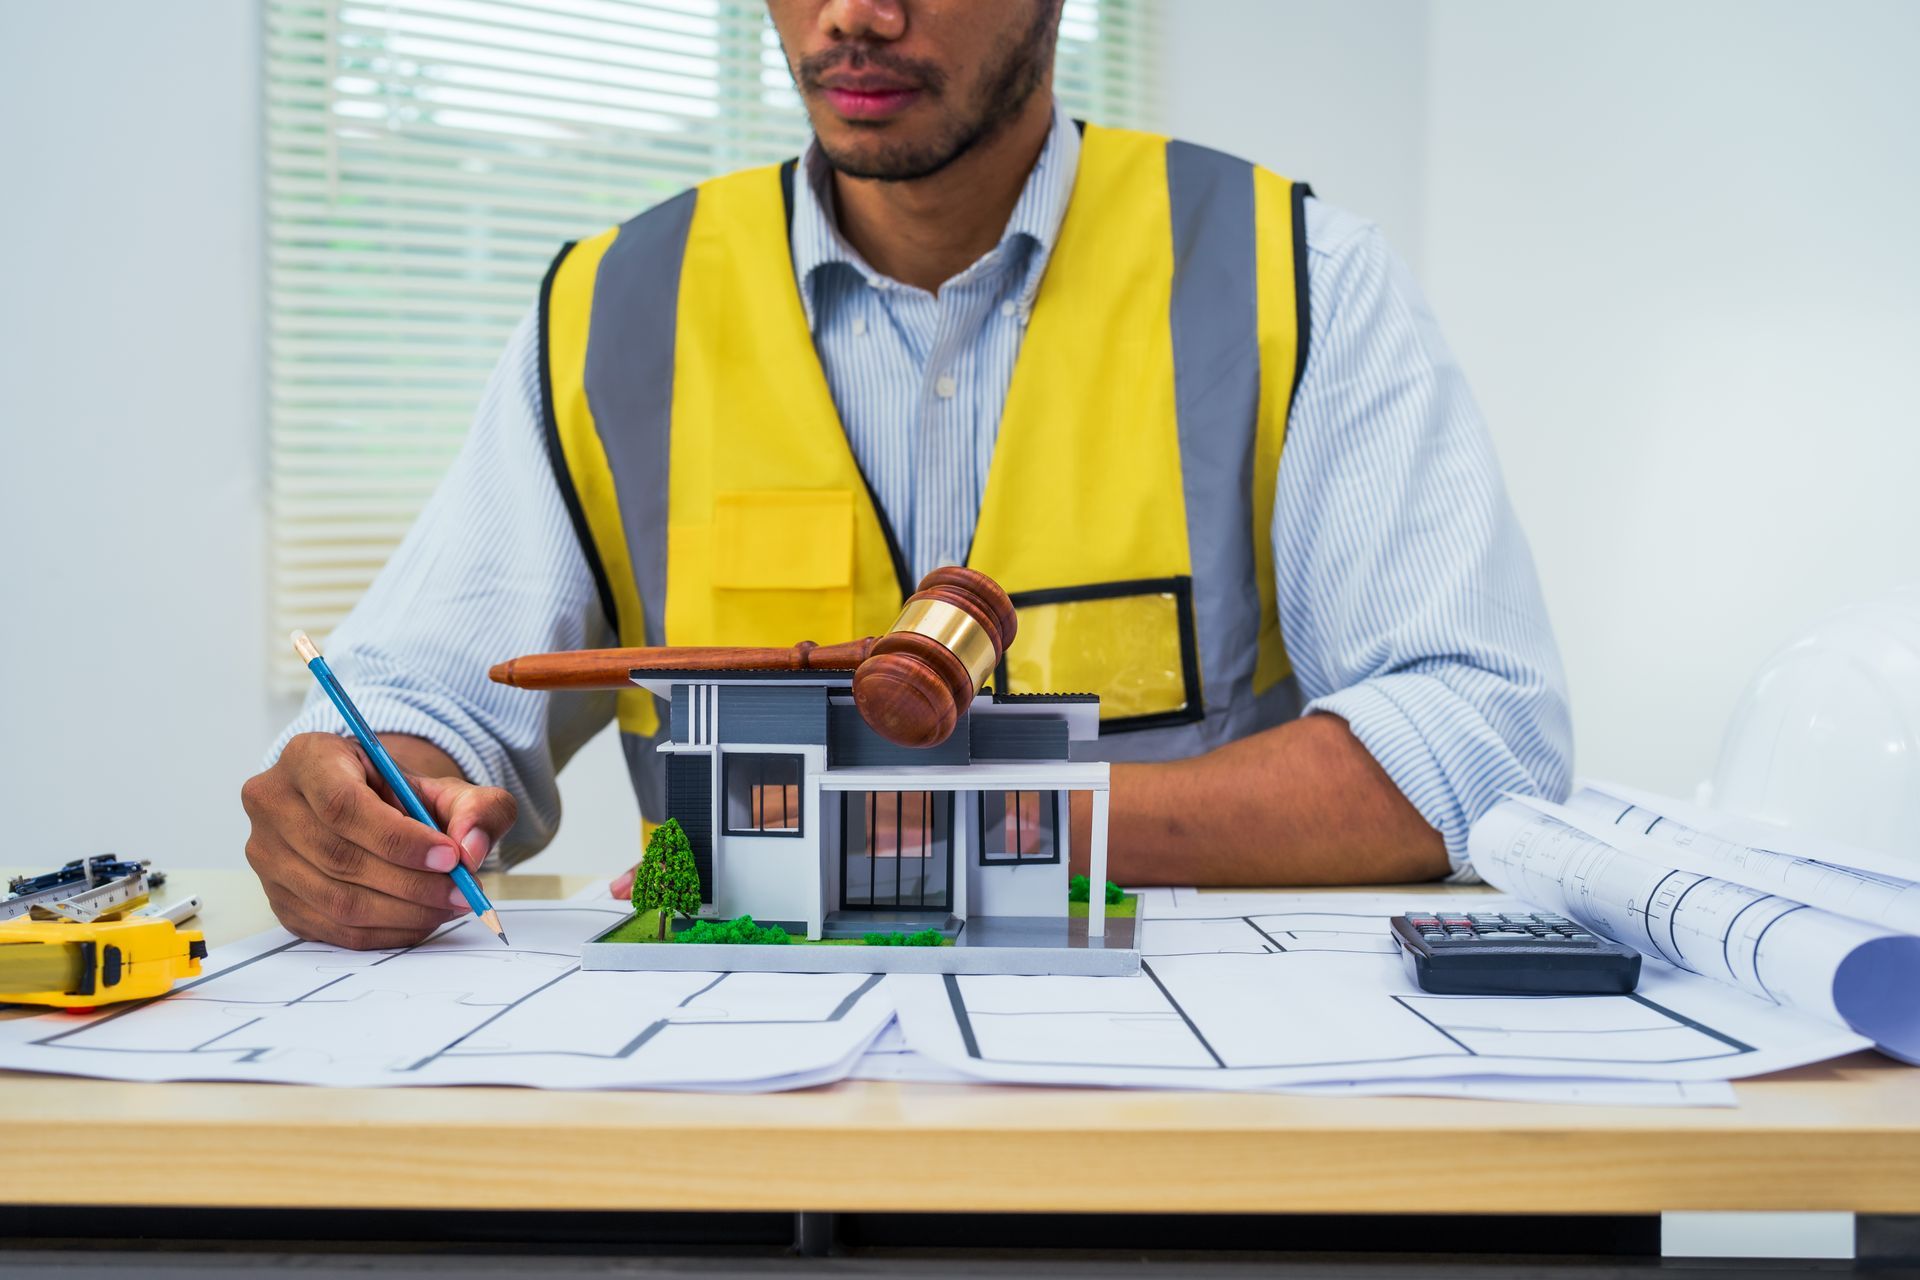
(1826, 738)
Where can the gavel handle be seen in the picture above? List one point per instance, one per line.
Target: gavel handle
(613, 668)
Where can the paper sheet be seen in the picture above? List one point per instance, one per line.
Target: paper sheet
(462, 1009)
(1255, 991)
(1628, 888)
(891, 1059)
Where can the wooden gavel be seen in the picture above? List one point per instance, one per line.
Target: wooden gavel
(910, 685)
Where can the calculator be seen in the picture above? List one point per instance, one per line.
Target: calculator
(1512, 953)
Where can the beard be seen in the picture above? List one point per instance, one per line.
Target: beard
(1015, 70)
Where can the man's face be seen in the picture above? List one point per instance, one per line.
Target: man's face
(900, 89)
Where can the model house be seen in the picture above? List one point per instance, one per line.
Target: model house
(801, 815)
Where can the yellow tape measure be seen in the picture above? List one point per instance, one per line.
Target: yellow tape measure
(120, 954)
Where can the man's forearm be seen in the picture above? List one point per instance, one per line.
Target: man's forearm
(1301, 803)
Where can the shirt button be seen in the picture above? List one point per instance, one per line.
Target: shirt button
(859, 326)
(944, 386)
(1007, 308)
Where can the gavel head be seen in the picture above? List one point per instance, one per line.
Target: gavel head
(923, 673)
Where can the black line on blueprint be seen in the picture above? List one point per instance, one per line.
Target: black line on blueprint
(1726, 934)
(960, 1016)
(1263, 933)
(141, 1004)
(1054, 1013)
(1464, 1047)
(299, 999)
(631, 1047)
(1564, 1031)
(1657, 820)
(224, 1034)
(845, 1007)
(718, 978)
(1684, 1020)
(1673, 914)
(1646, 915)
(1218, 1061)
(445, 930)
(1757, 939)
(498, 1014)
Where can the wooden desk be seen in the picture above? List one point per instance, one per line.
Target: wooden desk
(1841, 1136)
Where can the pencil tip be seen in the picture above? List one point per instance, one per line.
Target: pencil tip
(305, 647)
(503, 939)
(491, 919)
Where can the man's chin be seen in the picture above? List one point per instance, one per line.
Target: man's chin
(888, 159)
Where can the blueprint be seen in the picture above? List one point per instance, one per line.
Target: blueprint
(1266, 990)
(891, 1058)
(1627, 886)
(462, 1009)
(1881, 892)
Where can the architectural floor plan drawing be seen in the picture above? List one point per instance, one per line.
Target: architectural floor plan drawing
(461, 1009)
(1260, 990)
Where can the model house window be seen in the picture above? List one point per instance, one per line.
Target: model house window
(425, 160)
(1019, 826)
(763, 795)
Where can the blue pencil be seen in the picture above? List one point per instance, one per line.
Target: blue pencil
(397, 781)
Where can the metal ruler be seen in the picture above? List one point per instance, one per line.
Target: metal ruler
(80, 903)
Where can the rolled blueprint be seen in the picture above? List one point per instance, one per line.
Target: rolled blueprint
(1619, 885)
(1871, 887)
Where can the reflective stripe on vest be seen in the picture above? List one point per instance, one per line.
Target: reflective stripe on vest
(1130, 496)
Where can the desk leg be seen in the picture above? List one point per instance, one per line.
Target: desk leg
(814, 1234)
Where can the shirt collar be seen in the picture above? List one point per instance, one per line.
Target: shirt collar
(1036, 218)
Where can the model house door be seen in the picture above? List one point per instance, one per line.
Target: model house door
(896, 851)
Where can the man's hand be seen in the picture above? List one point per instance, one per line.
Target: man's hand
(342, 864)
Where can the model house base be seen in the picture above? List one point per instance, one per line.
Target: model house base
(800, 815)
(985, 944)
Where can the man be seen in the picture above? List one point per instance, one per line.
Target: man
(1199, 423)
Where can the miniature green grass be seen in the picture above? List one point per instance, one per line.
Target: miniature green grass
(1125, 909)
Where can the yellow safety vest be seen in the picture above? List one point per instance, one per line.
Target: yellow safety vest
(1129, 501)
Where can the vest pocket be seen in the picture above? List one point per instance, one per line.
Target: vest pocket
(782, 567)
(1130, 642)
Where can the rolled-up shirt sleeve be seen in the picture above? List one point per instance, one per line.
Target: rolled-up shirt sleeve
(491, 570)
(1407, 595)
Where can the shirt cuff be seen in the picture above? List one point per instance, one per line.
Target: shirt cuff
(390, 711)
(1438, 749)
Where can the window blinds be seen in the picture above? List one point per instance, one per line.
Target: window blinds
(426, 159)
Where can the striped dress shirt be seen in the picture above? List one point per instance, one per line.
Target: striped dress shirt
(1406, 592)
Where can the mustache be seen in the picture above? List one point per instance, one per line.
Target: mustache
(858, 56)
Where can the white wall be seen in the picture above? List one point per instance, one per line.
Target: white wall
(133, 646)
(1675, 247)
(1672, 244)
(1330, 92)
(132, 672)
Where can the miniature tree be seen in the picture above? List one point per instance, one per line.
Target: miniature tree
(667, 881)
